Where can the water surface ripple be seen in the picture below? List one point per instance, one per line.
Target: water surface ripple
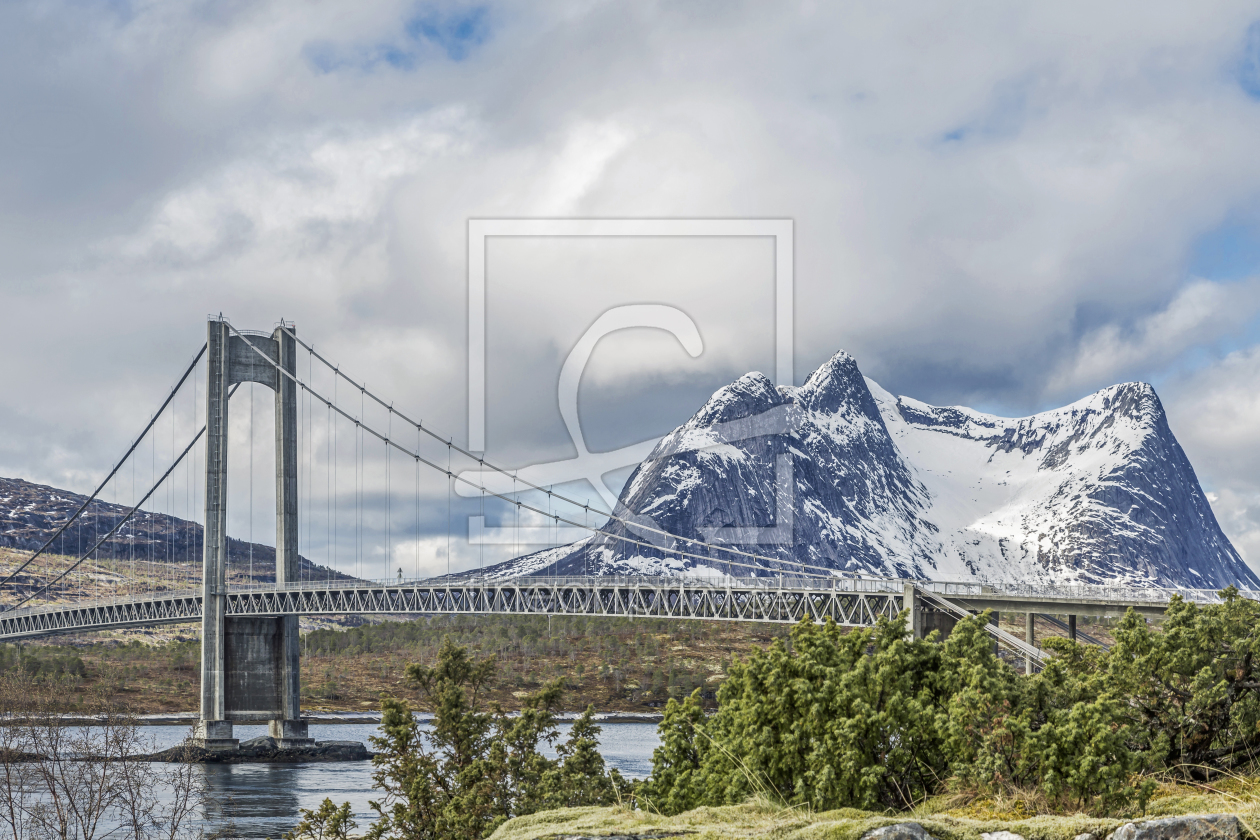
(263, 800)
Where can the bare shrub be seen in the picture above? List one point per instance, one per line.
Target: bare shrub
(85, 777)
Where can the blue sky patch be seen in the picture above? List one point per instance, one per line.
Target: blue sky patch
(457, 34)
(1229, 252)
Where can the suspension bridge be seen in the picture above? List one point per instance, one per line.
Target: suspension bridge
(250, 668)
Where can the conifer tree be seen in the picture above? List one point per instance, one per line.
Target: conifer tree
(581, 778)
(674, 785)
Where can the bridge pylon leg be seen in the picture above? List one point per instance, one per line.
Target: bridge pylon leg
(287, 728)
(214, 730)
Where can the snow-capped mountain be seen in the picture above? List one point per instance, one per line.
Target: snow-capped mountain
(838, 474)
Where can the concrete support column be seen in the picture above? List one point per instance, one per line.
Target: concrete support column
(1030, 636)
(214, 731)
(1072, 627)
(914, 622)
(289, 729)
(996, 621)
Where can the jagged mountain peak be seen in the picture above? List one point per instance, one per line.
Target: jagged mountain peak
(753, 393)
(837, 387)
(1134, 400)
(1124, 415)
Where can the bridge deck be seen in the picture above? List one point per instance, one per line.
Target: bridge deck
(851, 602)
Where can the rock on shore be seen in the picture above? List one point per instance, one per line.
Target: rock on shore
(1210, 827)
(1205, 827)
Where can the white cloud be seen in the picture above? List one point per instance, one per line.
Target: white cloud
(1213, 412)
(327, 188)
(1238, 513)
(1202, 313)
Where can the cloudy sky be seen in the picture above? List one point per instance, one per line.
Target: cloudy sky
(1000, 205)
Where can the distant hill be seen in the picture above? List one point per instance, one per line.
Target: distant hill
(30, 513)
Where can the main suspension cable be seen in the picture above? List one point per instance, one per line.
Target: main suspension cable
(823, 571)
(504, 472)
(125, 519)
(112, 472)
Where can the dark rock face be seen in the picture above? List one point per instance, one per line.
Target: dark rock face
(840, 475)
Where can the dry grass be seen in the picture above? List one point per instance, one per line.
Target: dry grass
(614, 664)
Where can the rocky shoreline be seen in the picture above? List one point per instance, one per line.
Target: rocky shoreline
(189, 718)
(262, 750)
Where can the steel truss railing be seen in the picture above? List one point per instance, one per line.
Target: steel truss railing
(139, 612)
(736, 599)
(785, 599)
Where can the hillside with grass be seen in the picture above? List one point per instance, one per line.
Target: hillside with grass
(615, 663)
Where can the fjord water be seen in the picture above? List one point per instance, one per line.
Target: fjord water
(263, 800)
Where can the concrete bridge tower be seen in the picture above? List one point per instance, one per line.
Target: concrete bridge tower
(249, 664)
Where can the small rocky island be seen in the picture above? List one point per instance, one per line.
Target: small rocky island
(265, 749)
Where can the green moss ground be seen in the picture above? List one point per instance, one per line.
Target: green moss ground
(950, 818)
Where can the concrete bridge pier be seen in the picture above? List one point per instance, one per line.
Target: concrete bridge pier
(1030, 636)
(924, 618)
(914, 621)
(250, 666)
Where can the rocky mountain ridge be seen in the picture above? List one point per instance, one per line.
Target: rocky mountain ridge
(839, 475)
